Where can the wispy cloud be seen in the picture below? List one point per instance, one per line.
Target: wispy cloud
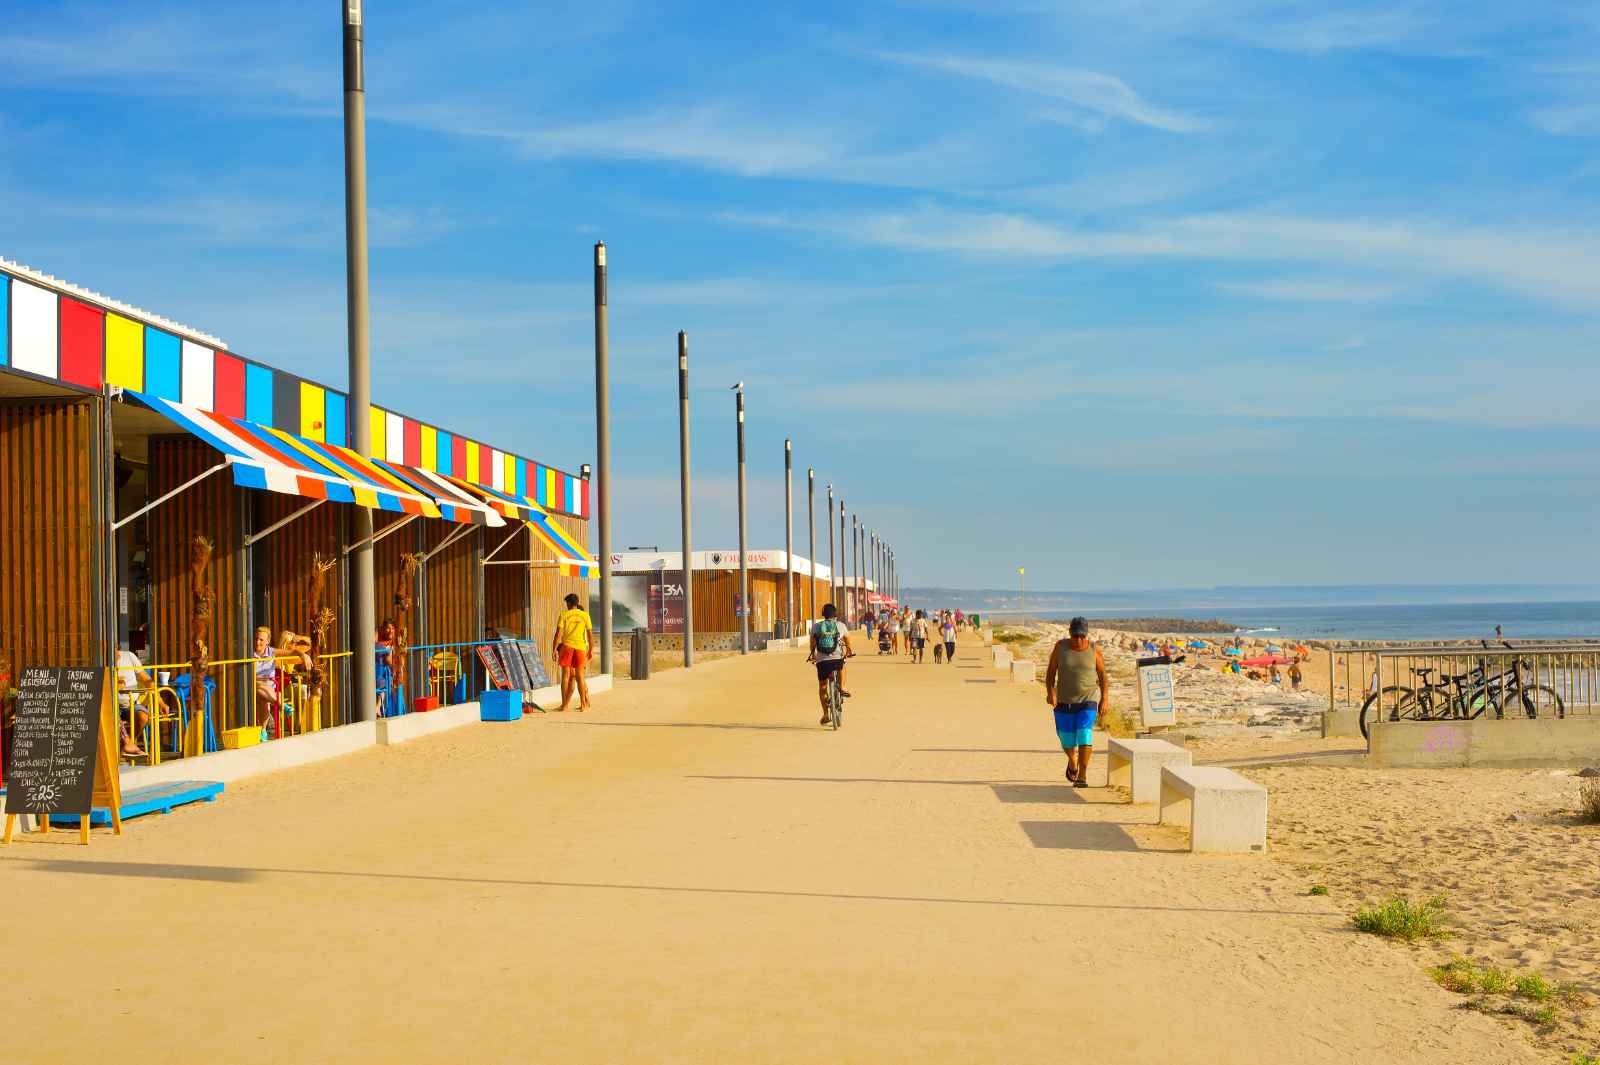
(1101, 96)
(1310, 291)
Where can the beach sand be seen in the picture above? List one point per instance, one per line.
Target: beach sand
(694, 872)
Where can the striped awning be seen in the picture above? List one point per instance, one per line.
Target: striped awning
(572, 557)
(275, 461)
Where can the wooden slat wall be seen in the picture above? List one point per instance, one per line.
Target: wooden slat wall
(386, 564)
(714, 594)
(504, 587)
(282, 564)
(210, 509)
(48, 542)
(451, 615)
(550, 586)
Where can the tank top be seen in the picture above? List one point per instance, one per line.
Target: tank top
(1077, 680)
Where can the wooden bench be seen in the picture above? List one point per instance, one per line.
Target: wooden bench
(1224, 812)
(1136, 765)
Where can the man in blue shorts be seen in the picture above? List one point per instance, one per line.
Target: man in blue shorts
(1076, 687)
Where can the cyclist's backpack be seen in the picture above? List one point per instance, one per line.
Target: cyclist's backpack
(827, 637)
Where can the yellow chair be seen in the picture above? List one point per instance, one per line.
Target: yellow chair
(444, 671)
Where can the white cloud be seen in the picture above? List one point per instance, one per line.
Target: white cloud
(1310, 290)
(1100, 94)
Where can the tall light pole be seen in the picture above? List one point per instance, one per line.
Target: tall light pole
(833, 564)
(844, 564)
(744, 561)
(855, 563)
(363, 587)
(683, 497)
(811, 535)
(602, 451)
(788, 535)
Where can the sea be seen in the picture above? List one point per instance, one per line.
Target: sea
(1326, 612)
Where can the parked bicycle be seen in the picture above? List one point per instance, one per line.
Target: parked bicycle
(1463, 695)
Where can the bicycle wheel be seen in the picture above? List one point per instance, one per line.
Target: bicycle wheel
(1385, 704)
(835, 704)
(1538, 701)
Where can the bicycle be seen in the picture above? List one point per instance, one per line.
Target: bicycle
(1464, 695)
(835, 702)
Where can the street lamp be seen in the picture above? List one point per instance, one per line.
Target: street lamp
(737, 388)
(602, 450)
(683, 501)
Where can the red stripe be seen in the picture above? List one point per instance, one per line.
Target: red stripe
(264, 441)
(83, 343)
(312, 488)
(413, 442)
(228, 381)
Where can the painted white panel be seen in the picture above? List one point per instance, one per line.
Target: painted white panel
(33, 329)
(199, 367)
(497, 462)
(394, 437)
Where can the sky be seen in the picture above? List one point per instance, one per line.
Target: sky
(1134, 294)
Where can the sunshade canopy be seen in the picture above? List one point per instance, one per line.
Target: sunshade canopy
(275, 461)
(572, 558)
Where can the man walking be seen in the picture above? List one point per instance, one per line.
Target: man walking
(571, 647)
(1076, 687)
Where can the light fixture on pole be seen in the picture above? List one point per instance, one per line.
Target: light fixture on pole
(363, 586)
(737, 388)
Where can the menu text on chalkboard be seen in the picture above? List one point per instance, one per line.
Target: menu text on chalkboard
(50, 765)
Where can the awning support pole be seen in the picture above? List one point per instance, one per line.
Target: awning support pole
(512, 535)
(254, 538)
(153, 504)
(448, 540)
(375, 537)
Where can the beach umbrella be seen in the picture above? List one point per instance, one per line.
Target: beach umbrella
(1197, 645)
(1233, 651)
(1266, 660)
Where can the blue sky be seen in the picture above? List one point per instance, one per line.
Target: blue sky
(1136, 294)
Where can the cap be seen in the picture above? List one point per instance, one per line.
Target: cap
(1078, 627)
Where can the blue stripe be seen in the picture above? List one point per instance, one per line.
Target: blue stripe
(333, 419)
(248, 476)
(194, 428)
(258, 393)
(446, 452)
(350, 471)
(163, 365)
(339, 492)
(5, 318)
(389, 501)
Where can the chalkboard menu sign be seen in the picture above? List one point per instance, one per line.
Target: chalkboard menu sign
(51, 761)
(511, 656)
(533, 665)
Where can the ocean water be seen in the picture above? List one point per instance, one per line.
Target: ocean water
(1411, 621)
(1321, 612)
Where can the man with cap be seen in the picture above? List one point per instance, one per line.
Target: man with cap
(1076, 688)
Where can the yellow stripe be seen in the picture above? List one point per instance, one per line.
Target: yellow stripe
(124, 353)
(550, 488)
(378, 447)
(472, 462)
(430, 449)
(366, 497)
(511, 474)
(312, 412)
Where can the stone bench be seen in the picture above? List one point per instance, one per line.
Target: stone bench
(1002, 657)
(1022, 672)
(1136, 765)
(1224, 812)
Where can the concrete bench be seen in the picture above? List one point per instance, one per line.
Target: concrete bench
(1225, 813)
(1022, 671)
(1136, 765)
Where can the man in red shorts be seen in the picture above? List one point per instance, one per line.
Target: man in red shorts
(573, 632)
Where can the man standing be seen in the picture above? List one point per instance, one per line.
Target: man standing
(571, 648)
(1076, 687)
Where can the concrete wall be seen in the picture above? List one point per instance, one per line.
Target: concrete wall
(1488, 742)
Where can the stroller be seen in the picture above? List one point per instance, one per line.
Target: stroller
(883, 640)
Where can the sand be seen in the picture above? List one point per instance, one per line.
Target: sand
(695, 871)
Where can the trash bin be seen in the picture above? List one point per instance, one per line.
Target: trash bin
(780, 629)
(639, 655)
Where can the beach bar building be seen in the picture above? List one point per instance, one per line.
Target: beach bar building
(127, 439)
(653, 579)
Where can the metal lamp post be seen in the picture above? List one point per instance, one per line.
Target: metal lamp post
(744, 561)
(363, 587)
(788, 535)
(602, 451)
(683, 497)
(811, 535)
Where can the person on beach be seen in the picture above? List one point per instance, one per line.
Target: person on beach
(894, 632)
(573, 631)
(1295, 676)
(131, 679)
(948, 632)
(830, 646)
(1077, 689)
(268, 700)
(919, 635)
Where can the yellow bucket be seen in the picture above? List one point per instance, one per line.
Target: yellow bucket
(235, 738)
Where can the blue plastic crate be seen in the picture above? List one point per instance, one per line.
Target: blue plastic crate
(500, 706)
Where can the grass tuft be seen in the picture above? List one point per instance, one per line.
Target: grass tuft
(1536, 987)
(1579, 1058)
(1402, 919)
(1493, 980)
(1456, 975)
(1589, 802)
(1318, 889)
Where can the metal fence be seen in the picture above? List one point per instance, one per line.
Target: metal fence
(451, 673)
(1562, 677)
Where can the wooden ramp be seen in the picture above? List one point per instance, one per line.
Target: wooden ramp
(151, 799)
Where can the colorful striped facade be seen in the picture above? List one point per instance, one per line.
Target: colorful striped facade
(66, 337)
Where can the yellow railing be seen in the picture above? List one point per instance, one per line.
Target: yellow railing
(302, 712)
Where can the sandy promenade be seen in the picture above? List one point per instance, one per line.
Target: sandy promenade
(696, 872)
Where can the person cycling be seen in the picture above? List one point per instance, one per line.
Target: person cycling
(830, 646)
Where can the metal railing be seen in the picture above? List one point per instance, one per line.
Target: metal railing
(230, 702)
(1568, 668)
(452, 673)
